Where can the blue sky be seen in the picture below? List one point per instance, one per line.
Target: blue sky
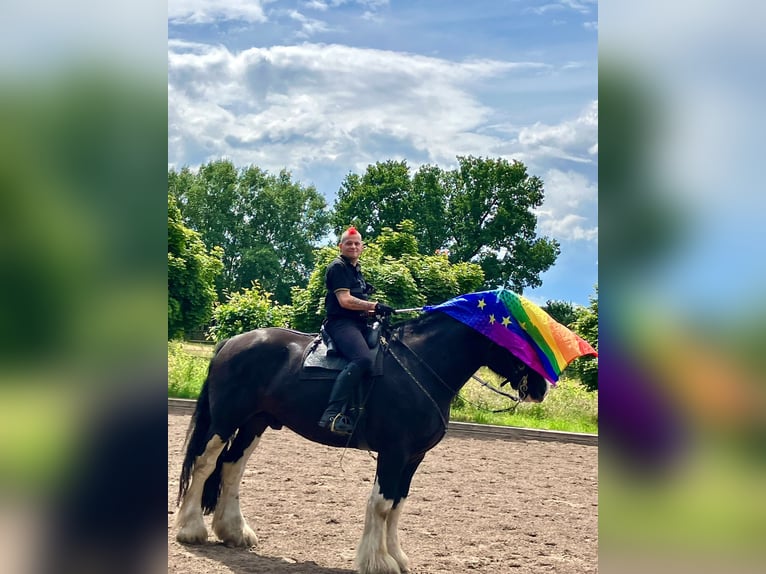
(327, 87)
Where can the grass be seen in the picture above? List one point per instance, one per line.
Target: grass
(187, 368)
(567, 407)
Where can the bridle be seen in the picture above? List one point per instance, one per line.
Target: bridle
(522, 390)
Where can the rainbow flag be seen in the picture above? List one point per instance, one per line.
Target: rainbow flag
(520, 326)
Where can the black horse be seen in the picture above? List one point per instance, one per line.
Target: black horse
(254, 382)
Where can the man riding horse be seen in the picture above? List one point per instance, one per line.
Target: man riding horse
(347, 309)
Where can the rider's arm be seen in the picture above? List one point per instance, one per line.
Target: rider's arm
(348, 301)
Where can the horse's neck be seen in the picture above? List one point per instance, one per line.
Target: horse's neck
(450, 349)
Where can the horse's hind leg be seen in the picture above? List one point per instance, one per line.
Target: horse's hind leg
(228, 523)
(191, 526)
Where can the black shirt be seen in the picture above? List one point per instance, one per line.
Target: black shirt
(341, 274)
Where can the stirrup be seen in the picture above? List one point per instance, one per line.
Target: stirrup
(346, 426)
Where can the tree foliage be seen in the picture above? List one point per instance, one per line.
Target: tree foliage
(481, 212)
(586, 325)
(267, 225)
(192, 270)
(562, 311)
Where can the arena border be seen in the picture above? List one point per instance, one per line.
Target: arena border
(457, 429)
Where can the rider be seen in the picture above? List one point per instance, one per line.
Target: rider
(347, 311)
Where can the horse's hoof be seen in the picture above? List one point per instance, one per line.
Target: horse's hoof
(403, 562)
(245, 539)
(190, 535)
(379, 565)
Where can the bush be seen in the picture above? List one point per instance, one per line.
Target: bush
(247, 310)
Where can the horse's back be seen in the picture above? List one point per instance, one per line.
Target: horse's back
(263, 340)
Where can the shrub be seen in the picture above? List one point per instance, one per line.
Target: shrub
(246, 310)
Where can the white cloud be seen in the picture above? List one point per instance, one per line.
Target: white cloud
(583, 7)
(309, 26)
(208, 11)
(314, 105)
(568, 197)
(324, 110)
(574, 140)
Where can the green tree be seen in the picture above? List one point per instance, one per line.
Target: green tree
(191, 276)
(430, 203)
(492, 222)
(267, 225)
(562, 311)
(209, 201)
(379, 198)
(284, 223)
(482, 212)
(586, 325)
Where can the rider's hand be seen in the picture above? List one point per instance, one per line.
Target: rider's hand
(383, 310)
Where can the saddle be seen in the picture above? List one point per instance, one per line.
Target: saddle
(322, 361)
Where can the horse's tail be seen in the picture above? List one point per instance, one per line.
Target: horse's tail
(197, 439)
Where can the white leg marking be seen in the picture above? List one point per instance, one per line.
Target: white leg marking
(228, 523)
(392, 537)
(191, 526)
(372, 556)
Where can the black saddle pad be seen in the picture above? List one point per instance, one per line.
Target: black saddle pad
(317, 364)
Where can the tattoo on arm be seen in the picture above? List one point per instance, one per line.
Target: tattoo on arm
(359, 304)
(353, 303)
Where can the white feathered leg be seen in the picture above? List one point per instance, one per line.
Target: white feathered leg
(392, 537)
(191, 526)
(228, 523)
(372, 556)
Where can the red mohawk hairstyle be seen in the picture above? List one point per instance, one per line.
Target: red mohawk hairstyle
(349, 232)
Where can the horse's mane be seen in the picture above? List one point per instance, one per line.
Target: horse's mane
(417, 325)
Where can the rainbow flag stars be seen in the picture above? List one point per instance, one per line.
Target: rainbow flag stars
(525, 330)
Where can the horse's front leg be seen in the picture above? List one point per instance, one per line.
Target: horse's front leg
(372, 556)
(392, 524)
(392, 537)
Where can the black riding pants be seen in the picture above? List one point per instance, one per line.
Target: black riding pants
(350, 338)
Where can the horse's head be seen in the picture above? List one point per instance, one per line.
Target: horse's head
(531, 386)
(527, 382)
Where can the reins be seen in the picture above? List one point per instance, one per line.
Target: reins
(512, 409)
(394, 337)
(517, 400)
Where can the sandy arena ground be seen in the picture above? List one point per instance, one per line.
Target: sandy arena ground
(493, 506)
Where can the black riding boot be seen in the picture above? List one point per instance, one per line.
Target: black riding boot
(333, 417)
